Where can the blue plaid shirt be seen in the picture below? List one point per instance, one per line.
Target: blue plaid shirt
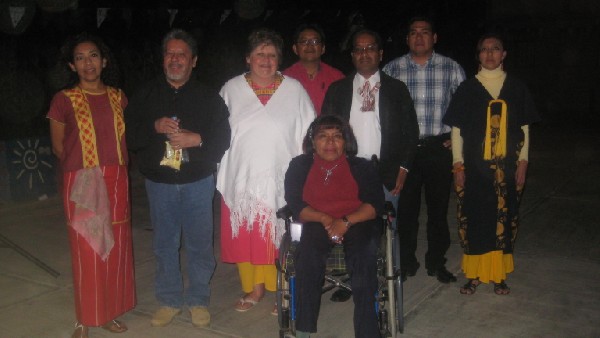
(431, 87)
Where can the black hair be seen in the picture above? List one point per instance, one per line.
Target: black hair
(110, 73)
(324, 122)
(491, 35)
(370, 32)
(309, 26)
(180, 34)
(421, 18)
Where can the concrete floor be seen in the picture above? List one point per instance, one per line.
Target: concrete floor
(555, 289)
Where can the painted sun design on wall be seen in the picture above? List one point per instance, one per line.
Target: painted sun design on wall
(30, 161)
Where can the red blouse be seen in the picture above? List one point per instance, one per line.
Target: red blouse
(61, 110)
(331, 188)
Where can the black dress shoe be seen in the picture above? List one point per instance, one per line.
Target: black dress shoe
(341, 295)
(442, 274)
(410, 271)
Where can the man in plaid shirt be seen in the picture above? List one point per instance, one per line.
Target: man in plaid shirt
(431, 79)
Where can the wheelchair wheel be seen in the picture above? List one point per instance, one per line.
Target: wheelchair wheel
(397, 302)
(390, 307)
(285, 287)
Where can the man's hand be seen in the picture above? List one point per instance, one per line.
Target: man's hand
(184, 139)
(166, 125)
(399, 181)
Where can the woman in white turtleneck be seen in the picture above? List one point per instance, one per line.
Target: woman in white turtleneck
(490, 117)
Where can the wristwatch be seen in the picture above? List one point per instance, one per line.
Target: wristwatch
(348, 223)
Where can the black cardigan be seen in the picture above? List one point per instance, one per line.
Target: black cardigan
(200, 109)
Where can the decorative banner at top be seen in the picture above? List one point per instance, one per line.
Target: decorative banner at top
(16, 15)
(172, 13)
(101, 15)
(225, 15)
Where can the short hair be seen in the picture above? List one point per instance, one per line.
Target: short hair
(421, 18)
(180, 34)
(370, 32)
(110, 73)
(325, 122)
(309, 26)
(265, 36)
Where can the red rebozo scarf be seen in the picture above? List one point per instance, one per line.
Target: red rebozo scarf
(331, 188)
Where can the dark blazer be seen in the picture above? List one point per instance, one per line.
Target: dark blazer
(399, 127)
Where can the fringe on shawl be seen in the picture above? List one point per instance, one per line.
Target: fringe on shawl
(249, 208)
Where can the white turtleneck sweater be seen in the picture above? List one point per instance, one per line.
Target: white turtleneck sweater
(492, 81)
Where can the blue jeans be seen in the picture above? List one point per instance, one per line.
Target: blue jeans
(176, 210)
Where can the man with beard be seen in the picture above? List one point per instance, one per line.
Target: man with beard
(179, 131)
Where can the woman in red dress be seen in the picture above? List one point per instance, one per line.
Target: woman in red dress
(88, 136)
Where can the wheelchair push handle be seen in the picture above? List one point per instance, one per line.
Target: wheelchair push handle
(284, 213)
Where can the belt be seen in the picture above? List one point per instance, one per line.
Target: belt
(433, 140)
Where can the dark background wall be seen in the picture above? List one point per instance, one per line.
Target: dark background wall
(553, 45)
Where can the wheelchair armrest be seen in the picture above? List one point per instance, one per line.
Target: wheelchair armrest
(284, 213)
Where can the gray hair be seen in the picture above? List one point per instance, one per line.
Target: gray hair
(179, 34)
(265, 36)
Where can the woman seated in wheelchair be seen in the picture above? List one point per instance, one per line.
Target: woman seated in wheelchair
(338, 197)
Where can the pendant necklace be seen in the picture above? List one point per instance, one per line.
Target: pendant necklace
(328, 173)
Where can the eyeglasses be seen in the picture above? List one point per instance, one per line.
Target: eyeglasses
(367, 49)
(309, 42)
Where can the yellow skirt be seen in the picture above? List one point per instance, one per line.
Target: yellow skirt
(492, 266)
(251, 274)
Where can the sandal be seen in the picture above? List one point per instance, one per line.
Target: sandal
(80, 331)
(470, 287)
(501, 288)
(115, 326)
(275, 311)
(244, 304)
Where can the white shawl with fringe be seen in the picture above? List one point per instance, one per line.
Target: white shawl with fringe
(263, 141)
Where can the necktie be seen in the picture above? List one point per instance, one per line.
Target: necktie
(368, 95)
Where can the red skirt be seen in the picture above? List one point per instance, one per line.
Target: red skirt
(248, 246)
(104, 290)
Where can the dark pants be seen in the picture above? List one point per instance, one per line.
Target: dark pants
(432, 169)
(361, 243)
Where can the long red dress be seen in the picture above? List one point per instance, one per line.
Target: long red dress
(104, 289)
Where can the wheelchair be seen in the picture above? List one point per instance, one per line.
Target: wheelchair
(387, 301)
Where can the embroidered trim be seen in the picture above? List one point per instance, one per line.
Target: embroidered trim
(87, 132)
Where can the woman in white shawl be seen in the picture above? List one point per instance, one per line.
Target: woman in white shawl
(269, 114)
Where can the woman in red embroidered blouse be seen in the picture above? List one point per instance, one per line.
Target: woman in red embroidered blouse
(87, 131)
(337, 197)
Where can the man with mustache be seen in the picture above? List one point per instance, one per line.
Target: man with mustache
(166, 117)
(383, 118)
